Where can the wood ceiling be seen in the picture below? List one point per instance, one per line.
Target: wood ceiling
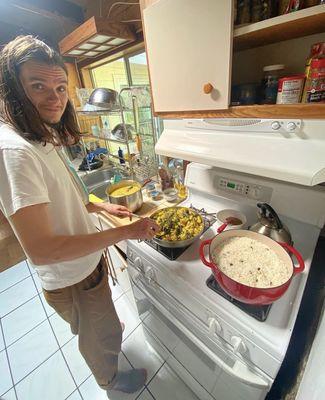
(54, 19)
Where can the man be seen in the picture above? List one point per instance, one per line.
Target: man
(43, 204)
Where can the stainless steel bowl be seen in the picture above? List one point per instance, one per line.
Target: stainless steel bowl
(132, 201)
(103, 97)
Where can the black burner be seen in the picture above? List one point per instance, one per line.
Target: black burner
(258, 312)
(174, 253)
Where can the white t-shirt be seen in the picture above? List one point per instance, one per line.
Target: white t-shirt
(31, 173)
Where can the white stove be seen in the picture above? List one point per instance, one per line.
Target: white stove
(220, 351)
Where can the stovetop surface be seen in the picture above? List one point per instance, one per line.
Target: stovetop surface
(258, 312)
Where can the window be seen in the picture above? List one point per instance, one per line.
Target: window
(112, 75)
(138, 69)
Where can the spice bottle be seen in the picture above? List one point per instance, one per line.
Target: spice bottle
(261, 10)
(243, 12)
(316, 84)
(270, 83)
(317, 51)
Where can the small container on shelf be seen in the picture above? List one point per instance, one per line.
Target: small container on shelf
(270, 83)
(261, 10)
(315, 87)
(290, 89)
(317, 51)
(243, 12)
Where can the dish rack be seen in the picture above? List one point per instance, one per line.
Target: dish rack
(132, 111)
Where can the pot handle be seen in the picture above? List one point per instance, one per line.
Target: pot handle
(298, 256)
(222, 227)
(202, 256)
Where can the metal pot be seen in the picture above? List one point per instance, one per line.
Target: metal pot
(270, 225)
(132, 201)
(244, 293)
(177, 243)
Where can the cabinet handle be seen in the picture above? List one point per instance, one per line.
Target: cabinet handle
(207, 88)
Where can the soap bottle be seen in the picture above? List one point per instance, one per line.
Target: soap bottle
(120, 155)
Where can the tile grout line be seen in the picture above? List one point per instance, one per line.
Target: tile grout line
(56, 339)
(30, 274)
(14, 284)
(8, 361)
(60, 348)
(65, 360)
(15, 341)
(14, 309)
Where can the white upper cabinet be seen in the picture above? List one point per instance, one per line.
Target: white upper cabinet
(189, 49)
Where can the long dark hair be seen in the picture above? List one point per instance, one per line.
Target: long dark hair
(15, 107)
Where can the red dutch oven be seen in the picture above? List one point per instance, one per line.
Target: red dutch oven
(244, 293)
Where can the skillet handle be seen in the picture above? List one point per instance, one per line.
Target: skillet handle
(202, 256)
(222, 227)
(298, 256)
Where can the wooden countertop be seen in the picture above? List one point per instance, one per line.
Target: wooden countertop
(149, 207)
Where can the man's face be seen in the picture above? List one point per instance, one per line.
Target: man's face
(47, 88)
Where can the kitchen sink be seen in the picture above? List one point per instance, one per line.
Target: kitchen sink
(97, 181)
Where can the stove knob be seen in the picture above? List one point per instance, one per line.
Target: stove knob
(238, 344)
(275, 125)
(214, 326)
(149, 274)
(291, 126)
(131, 255)
(138, 263)
(136, 276)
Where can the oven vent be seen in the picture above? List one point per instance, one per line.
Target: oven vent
(232, 122)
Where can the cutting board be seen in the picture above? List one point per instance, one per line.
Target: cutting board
(148, 207)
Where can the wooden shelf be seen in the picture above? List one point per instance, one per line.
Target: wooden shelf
(284, 27)
(299, 111)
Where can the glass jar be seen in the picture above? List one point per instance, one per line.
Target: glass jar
(243, 12)
(265, 9)
(270, 83)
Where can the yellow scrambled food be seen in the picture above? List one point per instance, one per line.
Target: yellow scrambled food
(125, 190)
(178, 223)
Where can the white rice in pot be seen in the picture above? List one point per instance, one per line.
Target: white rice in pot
(251, 263)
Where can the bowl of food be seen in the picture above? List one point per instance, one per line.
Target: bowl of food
(251, 267)
(126, 193)
(179, 226)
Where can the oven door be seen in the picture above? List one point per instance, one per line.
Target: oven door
(197, 359)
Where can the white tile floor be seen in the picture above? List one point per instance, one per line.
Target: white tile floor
(39, 357)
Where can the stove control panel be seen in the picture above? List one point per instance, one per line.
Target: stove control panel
(249, 190)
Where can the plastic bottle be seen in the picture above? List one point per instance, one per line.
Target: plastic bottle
(121, 156)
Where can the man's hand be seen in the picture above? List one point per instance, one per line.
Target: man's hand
(145, 228)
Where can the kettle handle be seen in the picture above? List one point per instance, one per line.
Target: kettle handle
(266, 207)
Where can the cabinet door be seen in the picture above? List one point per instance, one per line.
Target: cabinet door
(189, 45)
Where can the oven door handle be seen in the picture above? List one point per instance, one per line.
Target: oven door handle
(239, 370)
